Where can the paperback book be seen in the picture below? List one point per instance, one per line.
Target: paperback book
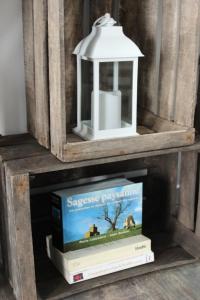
(97, 213)
(77, 266)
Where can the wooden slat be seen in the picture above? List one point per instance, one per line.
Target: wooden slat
(156, 123)
(141, 22)
(73, 31)
(187, 62)
(52, 286)
(10, 140)
(97, 149)
(49, 163)
(20, 243)
(186, 211)
(186, 238)
(41, 72)
(57, 79)
(18, 151)
(27, 6)
(168, 58)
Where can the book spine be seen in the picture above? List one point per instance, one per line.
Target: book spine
(104, 269)
(57, 224)
(136, 249)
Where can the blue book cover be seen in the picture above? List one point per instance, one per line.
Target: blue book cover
(100, 216)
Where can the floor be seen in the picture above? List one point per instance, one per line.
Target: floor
(179, 283)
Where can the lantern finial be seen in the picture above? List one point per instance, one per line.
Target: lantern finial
(105, 20)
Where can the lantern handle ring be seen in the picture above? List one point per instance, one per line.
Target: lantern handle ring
(105, 20)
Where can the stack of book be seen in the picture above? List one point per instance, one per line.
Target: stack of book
(97, 230)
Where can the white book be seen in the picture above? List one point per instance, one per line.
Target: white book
(81, 274)
(104, 253)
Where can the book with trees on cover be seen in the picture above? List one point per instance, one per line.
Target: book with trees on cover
(97, 213)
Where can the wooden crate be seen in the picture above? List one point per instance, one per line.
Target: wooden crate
(32, 275)
(166, 32)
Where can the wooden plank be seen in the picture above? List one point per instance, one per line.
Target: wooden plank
(186, 211)
(104, 148)
(20, 243)
(73, 30)
(18, 151)
(27, 7)
(51, 284)
(141, 21)
(49, 163)
(168, 58)
(186, 88)
(57, 79)
(186, 238)
(41, 72)
(156, 123)
(18, 139)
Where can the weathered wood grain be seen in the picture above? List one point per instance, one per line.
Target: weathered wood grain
(10, 140)
(20, 243)
(156, 123)
(28, 32)
(97, 149)
(49, 163)
(188, 49)
(186, 238)
(169, 52)
(18, 151)
(186, 212)
(73, 31)
(141, 22)
(41, 72)
(57, 78)
(52, 286)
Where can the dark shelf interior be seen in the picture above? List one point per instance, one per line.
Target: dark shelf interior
(157, 210)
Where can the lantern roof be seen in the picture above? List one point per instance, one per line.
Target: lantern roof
(107, 41)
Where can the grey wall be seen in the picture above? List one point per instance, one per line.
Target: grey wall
(12, 84)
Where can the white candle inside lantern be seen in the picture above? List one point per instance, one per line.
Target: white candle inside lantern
(109, 110)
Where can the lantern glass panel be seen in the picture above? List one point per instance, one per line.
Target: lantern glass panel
(125, 86)
(86, 90)
(115, 95)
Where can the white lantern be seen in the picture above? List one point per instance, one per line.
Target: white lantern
(107, 71)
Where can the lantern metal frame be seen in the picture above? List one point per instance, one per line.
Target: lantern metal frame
(89, 49)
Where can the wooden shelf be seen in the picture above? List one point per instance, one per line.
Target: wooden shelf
(51, 285)
(28, 167)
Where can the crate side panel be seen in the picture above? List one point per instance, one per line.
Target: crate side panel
(73, 34)
(188, 173)
(28, 32)
(114, 147)
(168, 58)
(56, 43)
(186, 89)
(41, 72)
(21, 255)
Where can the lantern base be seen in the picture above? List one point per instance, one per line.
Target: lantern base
(86, 131)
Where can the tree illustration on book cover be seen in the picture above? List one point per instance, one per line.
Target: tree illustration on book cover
(102, 216)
